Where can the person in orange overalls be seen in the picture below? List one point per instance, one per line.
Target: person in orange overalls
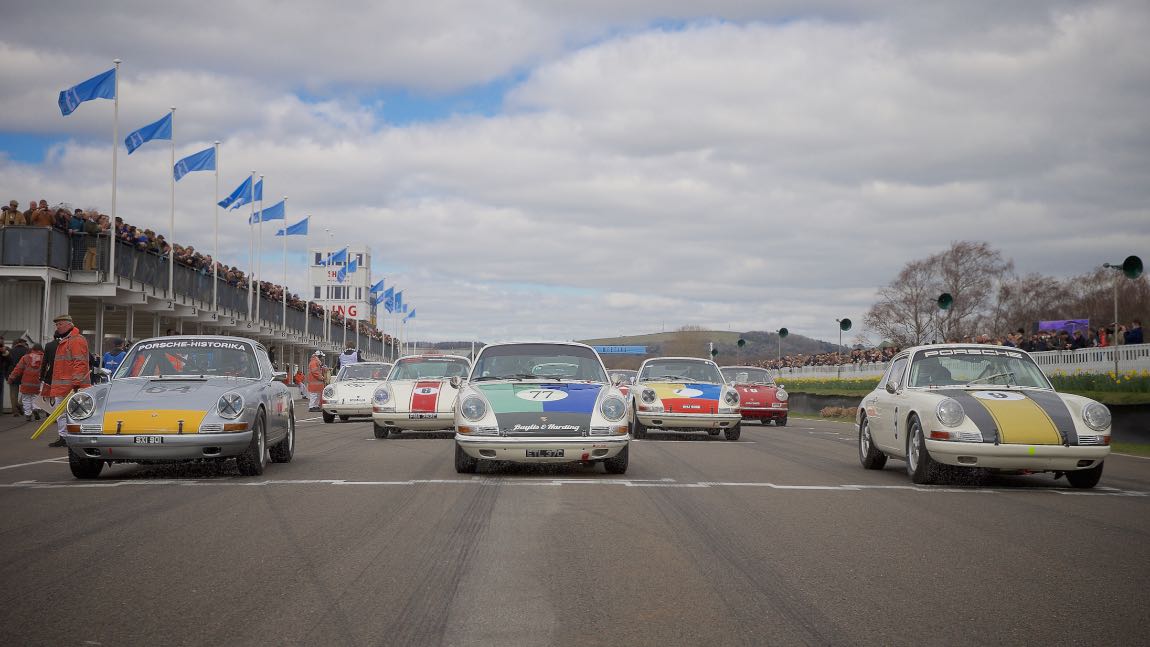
(68, 368)
(315, 380)
(27, 375)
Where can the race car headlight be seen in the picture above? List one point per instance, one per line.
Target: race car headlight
(473, 408)
(1096, 416)
(230, 406)
(781, 395)
(731, 397)
(381, 396)
(950, 412)
(328, 392)
(648, 396)
(612, 408)
(80, 406)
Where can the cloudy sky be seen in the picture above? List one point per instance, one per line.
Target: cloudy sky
(530, 168)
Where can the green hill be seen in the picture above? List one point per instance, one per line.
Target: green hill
(694, 343)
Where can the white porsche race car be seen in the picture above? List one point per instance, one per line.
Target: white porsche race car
(418, 394)
(350, 393)
(951, 407)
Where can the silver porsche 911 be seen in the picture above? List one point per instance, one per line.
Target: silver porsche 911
(180, 399)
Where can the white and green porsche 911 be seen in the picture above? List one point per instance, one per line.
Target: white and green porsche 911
(952, 407)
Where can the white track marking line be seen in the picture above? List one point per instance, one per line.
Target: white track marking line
(46, 460)
(1144, 458)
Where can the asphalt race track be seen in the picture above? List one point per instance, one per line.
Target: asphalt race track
(778, 539)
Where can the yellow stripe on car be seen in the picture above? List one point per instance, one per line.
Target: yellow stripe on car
(162, 421)
(1022, 422)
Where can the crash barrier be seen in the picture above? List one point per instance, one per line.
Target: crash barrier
(35, 247)
(1131, 357)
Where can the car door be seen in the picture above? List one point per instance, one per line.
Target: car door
(882, 407)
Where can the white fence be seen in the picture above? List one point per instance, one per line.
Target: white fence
(1134, 357)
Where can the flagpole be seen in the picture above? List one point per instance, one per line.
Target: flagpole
(172, 216)
(216, 247)
(259, 249)
(307, 283)
(285, 265)
(115, 152)
(346, 261)
(251, 247)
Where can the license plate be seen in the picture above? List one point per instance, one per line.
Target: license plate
(544, 453)
(421, 416)
(777, 405)
(149, 440)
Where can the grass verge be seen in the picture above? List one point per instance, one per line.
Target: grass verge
(813, 416)
(1137, 449)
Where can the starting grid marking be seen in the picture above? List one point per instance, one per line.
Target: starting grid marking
(555, 482)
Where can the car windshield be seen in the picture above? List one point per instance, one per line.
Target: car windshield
(429, 368)
(538, 361)
(974, 366)
(209, 357)
(747, 375)
(680, 370)
(363, 371)
(628, 376)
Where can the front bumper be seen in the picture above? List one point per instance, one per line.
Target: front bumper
(500, 448)
(1016, 457)
(764, 413)
(401, 420)
(353, 409)
(123, 447)
(688, 420)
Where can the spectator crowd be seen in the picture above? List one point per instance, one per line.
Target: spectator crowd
(90, 222)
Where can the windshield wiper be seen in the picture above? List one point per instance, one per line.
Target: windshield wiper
(514, 376)
(991, 377)
(678, 378)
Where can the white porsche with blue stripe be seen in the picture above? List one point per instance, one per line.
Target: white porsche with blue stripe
(951, 407)
(684, 394)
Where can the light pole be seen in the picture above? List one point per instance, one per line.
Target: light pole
(1131, 268)
(782, 332)
(844, 325)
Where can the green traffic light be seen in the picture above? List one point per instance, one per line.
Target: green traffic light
(945, 300)
(714, 352)
(742, 342)
(844, 325)
(1132, 267)
(783, 332)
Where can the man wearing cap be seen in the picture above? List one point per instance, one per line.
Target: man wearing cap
(65, 368)
(315, 381)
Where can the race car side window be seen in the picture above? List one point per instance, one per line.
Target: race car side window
(894, 372)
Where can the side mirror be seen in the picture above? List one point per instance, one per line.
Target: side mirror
(782, 386)
(617, 379)
(280, 376)
(455, 382)
(891, 386)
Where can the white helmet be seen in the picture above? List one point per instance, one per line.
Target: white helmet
(318, 353)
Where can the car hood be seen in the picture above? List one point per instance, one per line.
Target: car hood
(547, 408)
(1016, 416)
(687, 397)
(423, 396)
(160, 406)
(753, 395)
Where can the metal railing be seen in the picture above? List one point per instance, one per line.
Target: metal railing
(25, 246)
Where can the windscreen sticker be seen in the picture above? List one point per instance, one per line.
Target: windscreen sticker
(229, 345)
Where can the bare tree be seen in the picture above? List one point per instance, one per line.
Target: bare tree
(971, 272)
(905, 308)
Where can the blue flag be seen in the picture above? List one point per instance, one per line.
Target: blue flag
(388, 298)
(377, 287)
(379, 299)
(274, 212)
(298, 229)
(352, 266)
(204, 160)
(404, 311)
(341, 274)
(161, 129)
(410, 315)
(240, 193)
(101, 86)
(398, 301)
(338, 257)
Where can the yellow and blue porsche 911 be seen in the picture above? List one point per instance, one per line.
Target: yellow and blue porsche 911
(947, 407)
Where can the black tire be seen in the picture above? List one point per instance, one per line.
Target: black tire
(781, 422)
(284, 450)
(84, 467)
(869, 455)
(617, 464)
(922, 469)
(255, 458)
(464, 464)
(344, 418)
(638, 429)
(1084, 479)
(395, 430)
(380, 432)
(328, 418)
(733, 433)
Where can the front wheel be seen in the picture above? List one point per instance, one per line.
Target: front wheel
(922, 469)
(733, 433)
(869, 455)
(464, 464)
(380, 432)
(617, 464)
(1084, 479)
(84, 467)
(638, 429)
(781, 422)
(328, 418)
(344, 418)
(255, 458)
(284, 450)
